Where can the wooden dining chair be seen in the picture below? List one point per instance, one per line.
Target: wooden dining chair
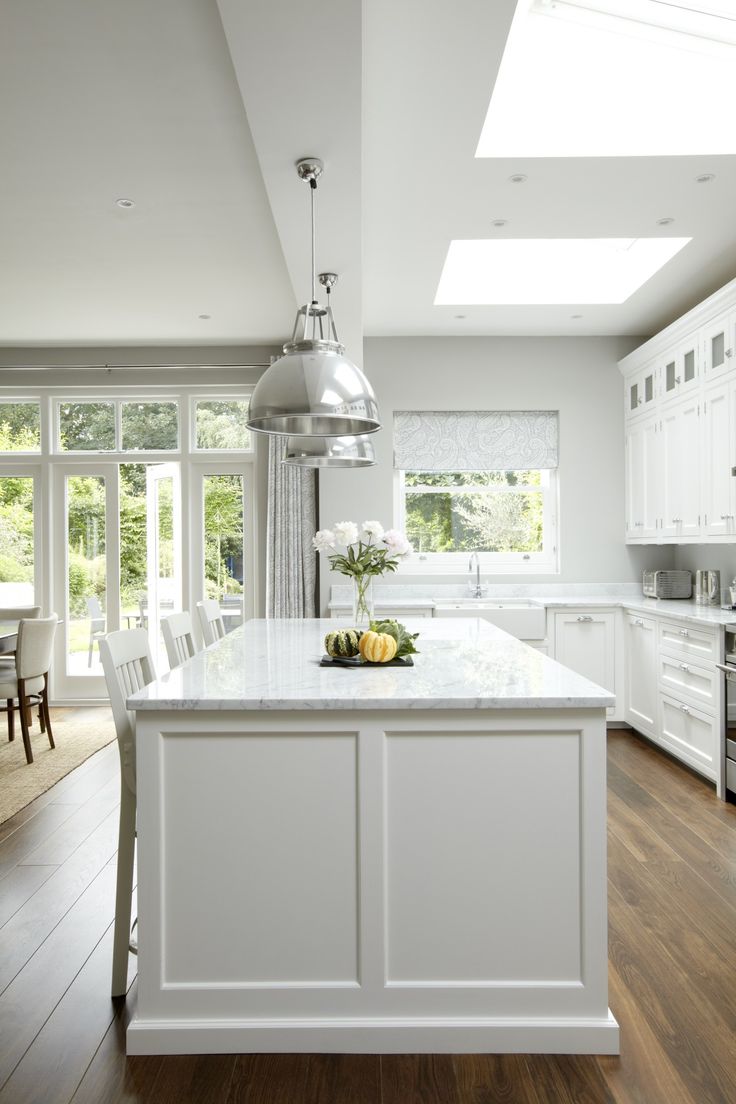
(126, 661)
(210, 621)
(27, 681)
(178, 633)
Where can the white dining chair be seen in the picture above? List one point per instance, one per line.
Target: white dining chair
(126, 661)
(27, 681)
(210, 621)
(178, 633)
(15, 613)
(96, 625)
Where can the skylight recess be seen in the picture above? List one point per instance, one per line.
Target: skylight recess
(550, 271)
(615, 78)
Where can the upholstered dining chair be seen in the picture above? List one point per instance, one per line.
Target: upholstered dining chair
(210, 621)
(27, 681)
(178, 633)
(15, 613)
(96, 625)
(126, 661)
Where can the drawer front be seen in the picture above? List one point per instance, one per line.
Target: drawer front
(731, 775)
(688, 640)
(689, 734)
(684, 679)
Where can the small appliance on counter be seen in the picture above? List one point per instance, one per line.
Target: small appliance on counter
(667, 584)
(708, 588)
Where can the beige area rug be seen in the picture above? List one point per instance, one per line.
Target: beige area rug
(76, 737)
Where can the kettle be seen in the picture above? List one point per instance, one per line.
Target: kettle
(708, 588)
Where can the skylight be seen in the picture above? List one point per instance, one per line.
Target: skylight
(550, 270)
(615, 78)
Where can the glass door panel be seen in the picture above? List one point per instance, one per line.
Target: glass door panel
(163, 552)
(17, 540)
(86, 591)
(224, 544)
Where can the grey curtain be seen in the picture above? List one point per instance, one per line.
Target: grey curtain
(475, 440)
(291, 563)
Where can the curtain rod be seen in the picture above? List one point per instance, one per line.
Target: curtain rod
(110, 367)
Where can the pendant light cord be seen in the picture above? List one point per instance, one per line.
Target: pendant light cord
(312, 190)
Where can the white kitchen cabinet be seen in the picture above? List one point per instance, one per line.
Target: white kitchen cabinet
(681, 369)
(688, 641)
(689, 682)
(680, 445)
(717, 342)
(640, 644)
(642, 392)
(585, 641)
(717, 456)
(643, 478)
(690, 734)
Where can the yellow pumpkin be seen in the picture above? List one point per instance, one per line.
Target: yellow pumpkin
(377, 647)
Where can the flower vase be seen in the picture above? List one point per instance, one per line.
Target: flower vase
(362, 601)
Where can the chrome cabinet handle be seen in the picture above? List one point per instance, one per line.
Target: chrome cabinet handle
(729, 352)
(685, 708)
(638, 621)
(684, 632)
(676, 521)
(586, 617)
(726, 517)
(684, 666)
(637, 524)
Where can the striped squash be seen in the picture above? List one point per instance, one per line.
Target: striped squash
(343, 643)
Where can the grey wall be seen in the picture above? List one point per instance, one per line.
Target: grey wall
(713, 557)
(577, 376)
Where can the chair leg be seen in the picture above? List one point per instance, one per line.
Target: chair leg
(124, 892)
(41, 721)
(43, 712)
(11, 719)
(23, 711)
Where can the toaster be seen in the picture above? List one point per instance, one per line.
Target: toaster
(667, 584)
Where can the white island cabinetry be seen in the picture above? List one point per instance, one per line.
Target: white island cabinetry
(379, 860)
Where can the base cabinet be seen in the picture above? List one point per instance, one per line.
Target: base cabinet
(640, 643)
(585, 641)
(690, 734)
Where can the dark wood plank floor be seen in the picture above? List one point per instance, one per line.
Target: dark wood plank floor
(672, 922)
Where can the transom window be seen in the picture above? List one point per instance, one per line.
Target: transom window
(20, 426)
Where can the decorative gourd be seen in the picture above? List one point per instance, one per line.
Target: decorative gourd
(344, 643)
(377, 647)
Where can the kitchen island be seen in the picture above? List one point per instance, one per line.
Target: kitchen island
(381, 860)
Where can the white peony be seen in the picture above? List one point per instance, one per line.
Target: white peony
(346, 532)
(323, 540)
(372, 531)
(396, 543)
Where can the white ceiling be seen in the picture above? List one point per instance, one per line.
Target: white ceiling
(197, 109)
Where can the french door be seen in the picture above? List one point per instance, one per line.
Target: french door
(117, 563)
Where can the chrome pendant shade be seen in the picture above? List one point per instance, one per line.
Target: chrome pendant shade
(329, 452)
(313, 390)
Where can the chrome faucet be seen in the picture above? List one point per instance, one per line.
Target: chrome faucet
(478, 589)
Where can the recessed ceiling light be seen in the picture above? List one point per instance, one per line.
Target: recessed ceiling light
(204, 316)
(666, 221)
(657, 80)
(461, 316)
(576, 316)
(500, 222)
(518, 178)
(705, 178)
(550, 270)
(125, 203)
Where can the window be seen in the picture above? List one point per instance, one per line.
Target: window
(222, 424)
(16, 540)
(481, 482)
(86, 426)
(20, 427)
(150, 425)
(118, 426)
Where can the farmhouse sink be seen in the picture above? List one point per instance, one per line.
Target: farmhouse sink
(520, 617)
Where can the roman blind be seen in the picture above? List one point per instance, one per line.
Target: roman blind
(475, 440)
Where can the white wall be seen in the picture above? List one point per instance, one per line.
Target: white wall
(577, 376)
(712, 557)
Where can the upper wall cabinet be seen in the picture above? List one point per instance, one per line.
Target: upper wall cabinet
(680, 411)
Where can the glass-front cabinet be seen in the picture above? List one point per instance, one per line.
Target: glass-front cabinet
(717, 340)
(642, 392)
(681, 370)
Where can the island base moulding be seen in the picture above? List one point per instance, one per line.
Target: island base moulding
(372, 880)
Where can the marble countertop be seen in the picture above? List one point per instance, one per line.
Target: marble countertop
(465, 663)
(682, 610)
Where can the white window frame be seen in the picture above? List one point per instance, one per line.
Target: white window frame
(545, 562)
(117, 401)
(24, 400)
(50, 465)
(215, 452)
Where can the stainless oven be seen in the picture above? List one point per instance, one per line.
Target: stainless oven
(729, 711)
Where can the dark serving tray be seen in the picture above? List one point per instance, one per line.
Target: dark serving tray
(358, 662)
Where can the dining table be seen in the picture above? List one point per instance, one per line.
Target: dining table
(8, 637)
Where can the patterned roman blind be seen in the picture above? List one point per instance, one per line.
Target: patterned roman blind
(475, 440)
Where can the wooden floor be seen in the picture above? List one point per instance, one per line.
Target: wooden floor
(672, 915)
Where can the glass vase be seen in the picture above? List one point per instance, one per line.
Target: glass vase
(362, 601)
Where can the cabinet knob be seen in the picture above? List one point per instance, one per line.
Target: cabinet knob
(729, 352)
(684, 666)
(586, 617)
(684, 632)
(638, 621)
(685, 708)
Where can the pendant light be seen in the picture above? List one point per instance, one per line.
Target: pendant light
(313, 390)
(329, 452)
